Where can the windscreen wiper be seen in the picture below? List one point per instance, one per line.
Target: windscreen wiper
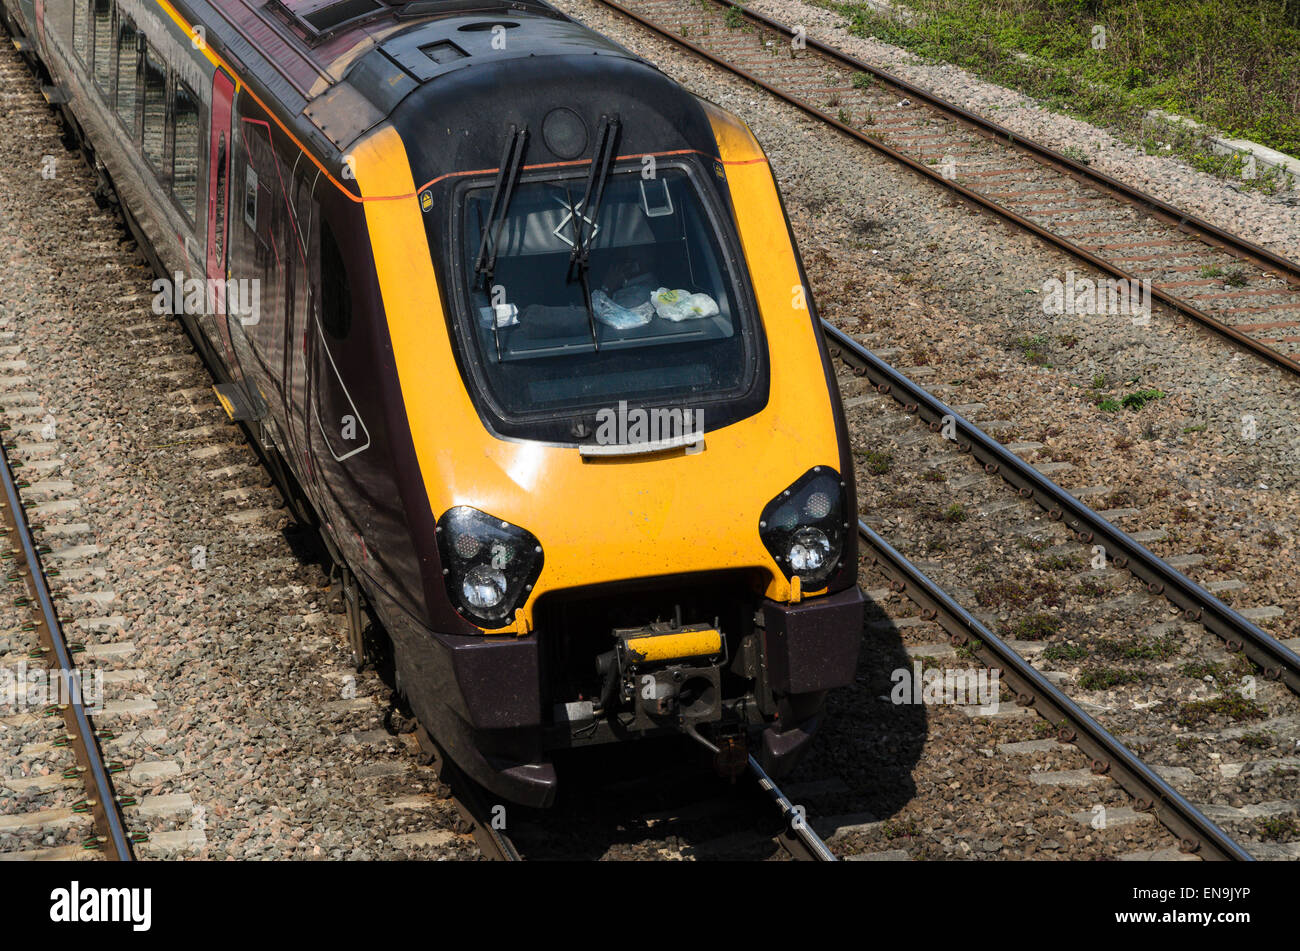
(512, 160)
(601, 163)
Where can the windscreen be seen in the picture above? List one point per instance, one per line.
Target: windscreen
(655, 318)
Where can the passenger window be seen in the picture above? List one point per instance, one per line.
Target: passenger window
(104, 46)
(250, 199)
(128, 57)
(81, 29)
(335, 293)
(223, 167)
(185, 156)
(155, 109)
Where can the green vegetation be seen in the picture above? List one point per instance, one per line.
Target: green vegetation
(1046, 590)
(1255, 741)
(1002, 591)
(1113, 404)
(1200, 669)
(954, 513)
(1009, 591)
(900, 828)
(1278, 828)
(1138, 647)
(1140, 398)
(1077, 154)
(1101, 678)
(1065, 652)
(1233, 64)
(877, 462)
(1036, 627)
(1088, 588)
(1032, 347)
(1232, 706)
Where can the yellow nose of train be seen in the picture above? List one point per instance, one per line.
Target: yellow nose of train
(598, 518)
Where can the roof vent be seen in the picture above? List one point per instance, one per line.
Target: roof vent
(334, 15)
(444, 51)
(323, 18)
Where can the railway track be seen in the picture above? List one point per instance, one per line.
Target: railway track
(1193, 830)
(170, 569)
(488, 823)
(194, 429)
(1239, 290)
(66, 693)
(955, 439)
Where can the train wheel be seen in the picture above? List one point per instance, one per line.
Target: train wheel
(356, 617)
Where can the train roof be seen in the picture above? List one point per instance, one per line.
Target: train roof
(337, 68)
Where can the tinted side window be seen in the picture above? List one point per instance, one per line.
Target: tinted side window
(154, 93)
(128, 57)
(185, 159)
(223, 167)
(81, 29)
(335, 292)
(250, 198)
(104, 45)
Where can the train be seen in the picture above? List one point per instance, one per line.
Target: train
(518, 325)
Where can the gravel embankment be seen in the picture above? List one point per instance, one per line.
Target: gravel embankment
(239, 715)
(953, 296)
(1269, 221)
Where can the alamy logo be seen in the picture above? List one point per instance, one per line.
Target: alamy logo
(636, 427)
(195, 297)
(74, 904)
(932, 686)
(1110, 296)
(39, 687)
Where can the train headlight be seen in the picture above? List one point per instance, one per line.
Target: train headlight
(809, 550)
(483, 588)
(803, 527)
(489, 565)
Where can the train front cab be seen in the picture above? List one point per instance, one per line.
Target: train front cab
(651, 600)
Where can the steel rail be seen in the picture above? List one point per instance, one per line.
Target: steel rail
(495, 845)
(102, 803)
(1196, 832)
(1211, 234)
(1276, 660)
(798, 837)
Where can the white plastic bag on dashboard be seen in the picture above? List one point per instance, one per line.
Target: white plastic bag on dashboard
(618, 316)
(504, 315)
(677, 305)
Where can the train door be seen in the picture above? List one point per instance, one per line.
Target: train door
(219, 151)
(298, 323)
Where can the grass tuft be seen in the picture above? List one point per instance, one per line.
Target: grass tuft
(1231, 706)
